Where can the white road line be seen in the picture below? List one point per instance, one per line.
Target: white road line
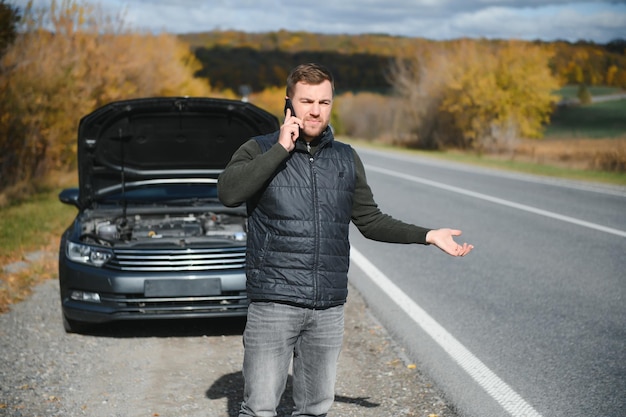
(501, 201)
(515, 405)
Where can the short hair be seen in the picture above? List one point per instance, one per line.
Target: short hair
(310, 74)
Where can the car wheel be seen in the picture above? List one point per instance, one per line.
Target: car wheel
(73, 326)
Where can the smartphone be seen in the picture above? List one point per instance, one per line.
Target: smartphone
(289, 105)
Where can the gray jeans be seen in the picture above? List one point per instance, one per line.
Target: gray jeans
(274, 334)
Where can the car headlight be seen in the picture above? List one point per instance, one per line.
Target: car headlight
(85, 254)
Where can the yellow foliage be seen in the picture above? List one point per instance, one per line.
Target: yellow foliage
(611, 74)
(478, 94)
(49, 79)
(271, 99)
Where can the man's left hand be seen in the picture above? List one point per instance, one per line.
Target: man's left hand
(444, 240)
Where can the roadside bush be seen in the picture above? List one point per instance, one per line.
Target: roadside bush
(366, 115)
(611, 161)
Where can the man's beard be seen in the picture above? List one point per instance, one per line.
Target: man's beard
(314, 132)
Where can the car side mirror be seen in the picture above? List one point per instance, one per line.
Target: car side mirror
(70, 196)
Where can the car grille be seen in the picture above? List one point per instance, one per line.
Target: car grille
(228, 303)
(189, 259)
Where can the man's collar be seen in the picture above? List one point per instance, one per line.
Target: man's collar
(325, 137)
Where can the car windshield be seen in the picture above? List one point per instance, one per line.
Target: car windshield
(170, 193)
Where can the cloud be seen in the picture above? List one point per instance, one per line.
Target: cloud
(541, 23)
(572, 20)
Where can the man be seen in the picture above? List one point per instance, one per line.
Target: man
(302, 188)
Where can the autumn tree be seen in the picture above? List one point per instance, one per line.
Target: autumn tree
(9, 18)
(67, 60)
(475, 95)
(590, 63)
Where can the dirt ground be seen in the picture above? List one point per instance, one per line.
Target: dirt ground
(183, 368)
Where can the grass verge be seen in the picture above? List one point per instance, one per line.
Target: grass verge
(34, 225)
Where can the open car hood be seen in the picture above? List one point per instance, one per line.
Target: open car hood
(162, 138)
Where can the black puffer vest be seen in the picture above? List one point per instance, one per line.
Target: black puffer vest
(298, 249)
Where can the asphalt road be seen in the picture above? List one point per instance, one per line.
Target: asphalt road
(533, 321)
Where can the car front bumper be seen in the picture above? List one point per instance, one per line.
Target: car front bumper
(98, 295)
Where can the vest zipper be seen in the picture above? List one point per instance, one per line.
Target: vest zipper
(316, 227)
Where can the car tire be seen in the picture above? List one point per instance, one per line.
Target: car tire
(73, 326)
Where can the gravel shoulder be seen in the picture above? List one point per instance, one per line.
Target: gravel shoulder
(182, 368)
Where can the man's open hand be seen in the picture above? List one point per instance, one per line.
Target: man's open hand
(444, 240)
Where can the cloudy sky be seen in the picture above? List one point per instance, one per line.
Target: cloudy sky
(598, 21)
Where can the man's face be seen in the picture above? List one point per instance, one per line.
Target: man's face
(312, 104)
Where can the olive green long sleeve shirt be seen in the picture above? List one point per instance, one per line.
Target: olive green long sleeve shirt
(250, 169)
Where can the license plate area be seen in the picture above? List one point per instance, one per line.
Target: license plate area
(182, 288)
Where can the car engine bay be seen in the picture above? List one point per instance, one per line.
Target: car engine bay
(180, 227)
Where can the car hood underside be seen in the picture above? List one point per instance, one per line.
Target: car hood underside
(162, 138)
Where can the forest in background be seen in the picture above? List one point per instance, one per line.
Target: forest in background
(382, 80)
(60, 63)
(361, 62)
(366, 68)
